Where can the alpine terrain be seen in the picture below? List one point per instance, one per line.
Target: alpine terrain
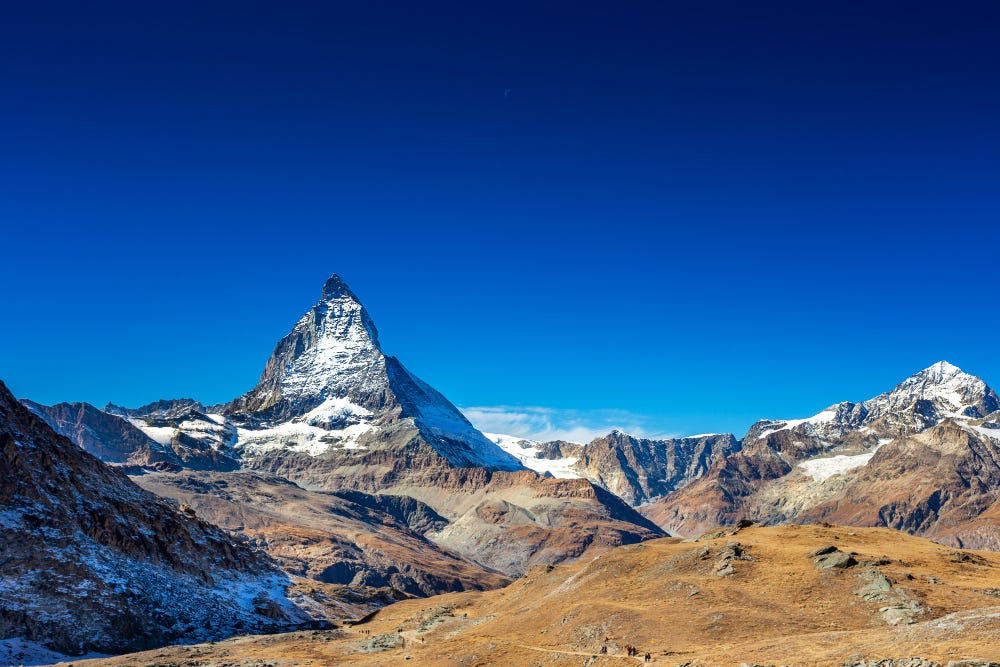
(357, 433)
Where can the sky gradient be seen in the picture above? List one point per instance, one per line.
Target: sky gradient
(662, 217)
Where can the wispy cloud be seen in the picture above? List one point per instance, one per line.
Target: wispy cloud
(539, 423)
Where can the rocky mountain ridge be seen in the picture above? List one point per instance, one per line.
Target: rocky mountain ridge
(635, 469)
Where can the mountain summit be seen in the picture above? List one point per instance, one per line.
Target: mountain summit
(328, 386)
(331, 352)
(939, 391)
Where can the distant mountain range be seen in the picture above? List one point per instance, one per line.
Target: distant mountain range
(923, 457)
(347, 471)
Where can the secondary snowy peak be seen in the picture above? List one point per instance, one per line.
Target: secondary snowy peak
(937, 392)
(941, 391)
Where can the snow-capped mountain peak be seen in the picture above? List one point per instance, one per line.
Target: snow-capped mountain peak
(945, 391)
(328, 384)
(331, 352)
(941, 391)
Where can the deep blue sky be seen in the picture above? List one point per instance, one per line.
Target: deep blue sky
(674, 217)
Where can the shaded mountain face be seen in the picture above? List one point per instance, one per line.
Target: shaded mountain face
(640, 469)
(919, 458)
(89, 561)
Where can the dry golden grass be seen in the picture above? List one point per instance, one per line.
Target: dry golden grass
(666, 597)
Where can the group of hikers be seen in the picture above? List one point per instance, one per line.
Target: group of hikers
(630, 651)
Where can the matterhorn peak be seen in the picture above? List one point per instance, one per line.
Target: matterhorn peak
(332, 352)
(336, 288)
(329, 373)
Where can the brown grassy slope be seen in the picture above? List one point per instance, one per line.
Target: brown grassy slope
(667, 597)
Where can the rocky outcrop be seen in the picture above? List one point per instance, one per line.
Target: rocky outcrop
(89, 561)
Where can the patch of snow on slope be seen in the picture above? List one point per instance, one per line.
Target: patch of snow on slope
(345, 351)
(526, 451)
(991, 433)
(824, 468)
(161, 434)
(307, 434)
(208, 431)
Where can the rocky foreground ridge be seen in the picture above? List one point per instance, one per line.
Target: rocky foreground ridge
(91, 562)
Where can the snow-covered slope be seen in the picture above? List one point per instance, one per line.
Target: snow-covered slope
(851, 432)
(528, 453)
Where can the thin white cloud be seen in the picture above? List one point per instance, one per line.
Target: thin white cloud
(542, 424)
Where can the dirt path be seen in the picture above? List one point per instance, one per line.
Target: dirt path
(585, 654)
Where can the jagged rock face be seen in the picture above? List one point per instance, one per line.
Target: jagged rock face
(106, 436)
(638, 469)
(919, 402)
(935, 393)
(89, 561)
(719, 497)
(359, 541)
(930, 437)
